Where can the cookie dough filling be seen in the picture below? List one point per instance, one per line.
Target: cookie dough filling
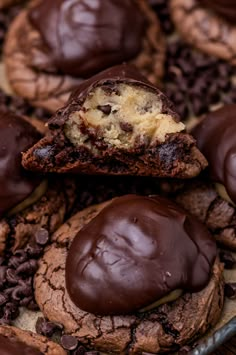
(126, 252)
(122, 116)
(117, 123)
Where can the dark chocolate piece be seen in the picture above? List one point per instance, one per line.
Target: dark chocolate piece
(84, 37)
(16, 136)
(69, 342)
(224, 8)
(230, 290)
(227, 258)
(13, 346)
(215, 137)
(126, 252)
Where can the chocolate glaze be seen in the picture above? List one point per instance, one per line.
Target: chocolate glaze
(16, 135)
(109, 78)
(10, 346)
(215, 137)
(83, 37)
(224, 8)
(137, 250)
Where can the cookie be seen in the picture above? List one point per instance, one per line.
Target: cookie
(45, 68)
(28, 202)
(117, 123)
(6, 3)
(160, 329)
(207, 25)
(213, 199)
(16, 341)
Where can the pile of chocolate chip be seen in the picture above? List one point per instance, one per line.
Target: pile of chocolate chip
(16, 278)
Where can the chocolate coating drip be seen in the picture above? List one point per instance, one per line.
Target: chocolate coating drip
(13, 347)
(224, 8)
(137, 250)
(16, 135)
(215, 137)
(84, 37)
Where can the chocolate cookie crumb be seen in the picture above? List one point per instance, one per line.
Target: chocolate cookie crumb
(230, 290)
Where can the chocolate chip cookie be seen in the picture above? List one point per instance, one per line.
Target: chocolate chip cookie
(28, 202)
(157, 328)
(117, 123)
(16, 341)
(45, 62)
(207, 25)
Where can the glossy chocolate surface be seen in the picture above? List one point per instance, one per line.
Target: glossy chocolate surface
(224, 8)
(16, 135)
(137, 250)
(215, 137)
(84, 36)
(10, 346)
(109, 78)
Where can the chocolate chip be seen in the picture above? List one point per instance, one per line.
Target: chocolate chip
(106, 109)
(42, 236)
(28, 267)
(126, 127)
(69, 342)
(47, 328)
(79, 351)
(228, 259)
(34, 250)
(230, 290)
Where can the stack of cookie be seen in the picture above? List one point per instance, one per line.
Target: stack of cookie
(112, 215)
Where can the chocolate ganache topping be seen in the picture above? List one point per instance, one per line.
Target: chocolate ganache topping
(134, 252)
(224, 8)
(215, 137)
(10, 346)
(16, 135)
(84, 37)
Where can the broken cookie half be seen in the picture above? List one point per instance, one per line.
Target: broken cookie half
(117, 123)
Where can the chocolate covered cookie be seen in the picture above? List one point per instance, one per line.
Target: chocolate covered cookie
(117, 123)
(213, 198)
(207, 25)
(111, 277)
(54, 45)
(15, 341)
(28, 202)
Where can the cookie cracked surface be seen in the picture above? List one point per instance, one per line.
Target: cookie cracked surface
(41, 343)
(204, 29)
(117, 123)
(166, 328)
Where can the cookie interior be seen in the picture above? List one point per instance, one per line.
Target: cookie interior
(125, 117)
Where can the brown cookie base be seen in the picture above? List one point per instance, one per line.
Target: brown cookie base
(39, 342)
(201, 199)
(176, 157)
(49, 213)
(52, 90)
(203, 29)
(164, 329)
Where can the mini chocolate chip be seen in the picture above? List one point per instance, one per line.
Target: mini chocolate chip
(126, 127)
(46, 328)
(230, 290)
(32, 306)
(34, 250)
(3, 299)
(228, 259)
(42, 236)
(106, 109)
(79, 351)
(28, 267)
(11, 311)
(25, 301)
(12, 277)
(69, 342)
